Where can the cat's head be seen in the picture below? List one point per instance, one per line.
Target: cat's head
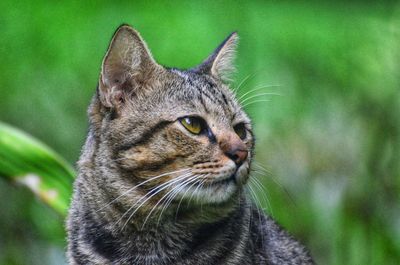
(170, 131)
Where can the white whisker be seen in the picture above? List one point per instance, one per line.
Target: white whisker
(262, 167)
(235, 90)
(142, 183)
(264, 193)
(268, 172)
(203, 179)
(146, 198)
(258, 210)
(184, 194)
(163, 197)
(255, 101)
(172, 196)
(256, 89)
(260, 95)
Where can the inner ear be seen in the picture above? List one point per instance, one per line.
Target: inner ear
(220, 63)
(127, 66)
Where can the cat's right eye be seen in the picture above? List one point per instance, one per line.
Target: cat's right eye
(194, 125)
(240, 130)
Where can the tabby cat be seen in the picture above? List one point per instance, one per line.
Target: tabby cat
(162, 172)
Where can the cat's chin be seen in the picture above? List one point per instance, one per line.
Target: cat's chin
(212, 186)
(215, 192)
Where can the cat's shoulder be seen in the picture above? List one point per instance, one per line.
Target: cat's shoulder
(276, 244)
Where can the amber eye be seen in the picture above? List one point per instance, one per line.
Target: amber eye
(193, 124)
(240, 130)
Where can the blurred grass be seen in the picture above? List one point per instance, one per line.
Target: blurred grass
(332, 140)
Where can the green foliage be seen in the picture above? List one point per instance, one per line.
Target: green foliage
(332, 140)
(26, 161)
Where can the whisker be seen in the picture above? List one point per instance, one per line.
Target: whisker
(253, 182)
(159, 201)
(235, 90)
(256, 201)
(255, 101)
(256, 89)
(157, 190)
(260, 172)
(164, 196)
(254, 195)
(259, 95)
(200, 186)
(264, 193)
(251, 210)
(198, 180)
(172, 196)
(146, 196)
(259, 214)
(267, 172)
(203, 180)
(168, 200)
(141, 184)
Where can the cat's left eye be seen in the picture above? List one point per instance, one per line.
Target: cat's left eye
(240, 130)
(194, 125)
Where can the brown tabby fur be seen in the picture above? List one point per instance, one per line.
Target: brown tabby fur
(122, 214)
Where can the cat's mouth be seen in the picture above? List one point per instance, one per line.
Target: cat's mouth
(237, 177)
(215, 187)
(228, 175)
(222, 177)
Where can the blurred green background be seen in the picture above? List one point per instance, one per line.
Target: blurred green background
(331, 141)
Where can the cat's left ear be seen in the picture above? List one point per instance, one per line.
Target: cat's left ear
(220, 63)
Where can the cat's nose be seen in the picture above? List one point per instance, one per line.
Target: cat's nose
(237, 155)
(233, 147)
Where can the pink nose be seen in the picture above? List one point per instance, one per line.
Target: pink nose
(237, 155)
(234, 148)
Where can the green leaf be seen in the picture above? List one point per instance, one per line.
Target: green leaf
(26, 161)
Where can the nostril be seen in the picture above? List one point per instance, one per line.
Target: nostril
(237, 156)
(234, 157)
(238, 163)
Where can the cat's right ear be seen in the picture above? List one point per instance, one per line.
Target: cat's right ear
(220, 63)
(127, 65)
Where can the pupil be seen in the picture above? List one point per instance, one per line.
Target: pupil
(241, 131)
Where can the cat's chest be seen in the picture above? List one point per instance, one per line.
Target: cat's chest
(174, 248)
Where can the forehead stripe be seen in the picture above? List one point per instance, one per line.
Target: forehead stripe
(145, 136)
(218, 93)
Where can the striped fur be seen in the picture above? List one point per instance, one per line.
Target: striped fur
(151, 192)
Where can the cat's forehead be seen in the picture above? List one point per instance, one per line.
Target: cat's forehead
(202, 95)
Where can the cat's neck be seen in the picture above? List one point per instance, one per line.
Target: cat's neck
(181, 237)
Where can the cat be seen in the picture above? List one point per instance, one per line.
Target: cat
(162, 172)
